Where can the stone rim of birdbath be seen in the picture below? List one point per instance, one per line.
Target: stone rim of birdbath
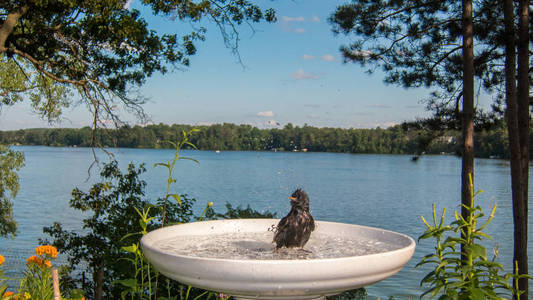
(277, 279)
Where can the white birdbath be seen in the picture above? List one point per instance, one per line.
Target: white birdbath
(237, 257)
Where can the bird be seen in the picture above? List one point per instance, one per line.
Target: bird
(295, 228)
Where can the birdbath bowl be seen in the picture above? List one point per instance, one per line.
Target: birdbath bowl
(237, 257)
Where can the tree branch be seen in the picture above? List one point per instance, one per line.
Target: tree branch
(9, 23)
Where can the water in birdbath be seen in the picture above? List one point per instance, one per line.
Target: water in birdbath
(259, 246)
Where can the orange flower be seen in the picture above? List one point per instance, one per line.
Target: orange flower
(47, 263)
(33, 260)
(38, 261)
(8, 293)
(2, 259)
(47, 250)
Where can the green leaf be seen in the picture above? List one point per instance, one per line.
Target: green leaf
(131, 260)
(161, 164)
(477, 251)
(173, 144)
(477, 294)
(191, 144)
(188, 158)
(131, 283)
(130, 234)
(176, 197)
(481, 233)
(131, 249)
(123, 294)
(76, 294)
(143, 224)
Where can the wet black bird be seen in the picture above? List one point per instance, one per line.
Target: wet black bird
(295, 228)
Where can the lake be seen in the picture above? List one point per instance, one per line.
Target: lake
(387, 191)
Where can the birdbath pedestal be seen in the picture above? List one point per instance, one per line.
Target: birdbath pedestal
(236, 257)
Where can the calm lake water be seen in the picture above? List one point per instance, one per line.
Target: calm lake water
(387, 191)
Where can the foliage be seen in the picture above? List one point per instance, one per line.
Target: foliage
(144, 282)
(475, 276)
(398, 139)
(113, 208)
(102, 49)
(357, 294)
(419, 44)
(36, 282)
(37, 279)
(110, 207)
(10, 162)
(243, 213)
(170, 168)
(3, 278)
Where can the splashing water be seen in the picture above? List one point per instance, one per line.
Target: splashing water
(259, 246)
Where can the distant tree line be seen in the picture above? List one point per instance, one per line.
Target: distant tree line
(393, 140)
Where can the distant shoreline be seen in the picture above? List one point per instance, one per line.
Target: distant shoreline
(231, 137)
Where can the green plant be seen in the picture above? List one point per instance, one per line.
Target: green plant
(10, 162)
(143, 284)
(170, 168)
(356, 294)
(3, 278)
(110, 210)
(469, 275)
(36, 282)
(243, 213)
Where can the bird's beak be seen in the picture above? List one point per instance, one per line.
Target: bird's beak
(292, 199)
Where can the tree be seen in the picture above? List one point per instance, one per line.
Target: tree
(467, 168)
(111, 209)
(10, 162)
(517, 124)
(101, 49)
(417, 42)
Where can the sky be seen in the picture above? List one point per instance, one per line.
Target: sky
(291, 72)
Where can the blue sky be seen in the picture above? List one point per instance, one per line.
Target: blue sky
(292, 72)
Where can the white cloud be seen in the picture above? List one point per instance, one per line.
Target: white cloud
(328, 57)
(300, 74)
(299, 30)
(315, 19)
(308, 57)
(293, 19)
(267, 113)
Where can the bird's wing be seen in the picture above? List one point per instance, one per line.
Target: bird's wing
(281, 230)
(311, 223)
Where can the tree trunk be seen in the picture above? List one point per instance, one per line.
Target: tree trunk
(99, 282)
(520, 209)
(512, 125)
(468, 109)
